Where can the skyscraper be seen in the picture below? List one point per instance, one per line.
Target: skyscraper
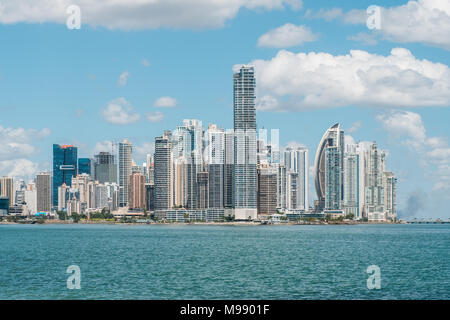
(333, 138)
(296, 161)
(352, 181)
(333, 178)
(374, 188)
(267, 191)
(245, 175)
(390, 195)
(216, 160)
(43, 192)
(125, 170)
(163, 173)
(64, 167)
(7, 189)
(105, 168)
(86, 165)
(136, 189)
(228, 187)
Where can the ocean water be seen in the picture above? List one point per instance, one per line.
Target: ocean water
(224, 262)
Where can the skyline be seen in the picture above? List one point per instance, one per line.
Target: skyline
(168, 86)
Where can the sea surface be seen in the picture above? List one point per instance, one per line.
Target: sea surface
(224, 262)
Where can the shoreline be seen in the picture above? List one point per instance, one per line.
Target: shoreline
(233, 223)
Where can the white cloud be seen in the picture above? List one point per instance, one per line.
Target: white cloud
(18, 168)
(365, 38)
(16, 145)
(355, 127)
(155, 116)
(349, 140)
(165, 102)
(433, 152)
(423, 21)
(103, 146)
(352, 16)
(145, 62)
(123, 78)
(288, 35)
(120, 111)
(18, 142)
(138, 14)
(141, 151)
(291, 81)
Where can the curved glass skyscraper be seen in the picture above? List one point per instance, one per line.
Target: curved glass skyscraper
(328, 169)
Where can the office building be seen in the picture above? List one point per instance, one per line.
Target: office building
(125, 169)
(331, 144)
(44, 192)
(105, 168)
(64, 167)
(245, 175)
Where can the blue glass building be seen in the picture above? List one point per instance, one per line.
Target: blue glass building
(64, 167)
(85, 166)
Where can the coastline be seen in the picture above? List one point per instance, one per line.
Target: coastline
(232, 223)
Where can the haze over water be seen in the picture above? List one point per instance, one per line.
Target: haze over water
(224, 262)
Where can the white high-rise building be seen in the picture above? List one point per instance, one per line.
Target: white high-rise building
(245, 158)
(296, 161)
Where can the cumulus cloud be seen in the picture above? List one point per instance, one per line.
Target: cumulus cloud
(123, 79)
(18, 142)
(138, 14)
(140, 151)
(433, 152)
(288, 35)
(145, 62)
(364, 38)
(155, 116)
(103, 146)
(423, 21)
(297, 81)
(120, 111)
(165, 102)
(355, 127)
(353, 16)
(18, 168)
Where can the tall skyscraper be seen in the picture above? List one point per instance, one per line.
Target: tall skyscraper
(44, 192)
(64, 167)
(7, 189)
(125, 170)
(333, 178)
(228, 187)
(333, 138)
(86, 165)
(296, 161)
(390, 195)
(105, 168)
(374, 188)
(352, 181)
(245, 159)
(267, 191)
(163, 172)
(136, 189)
(216, 165)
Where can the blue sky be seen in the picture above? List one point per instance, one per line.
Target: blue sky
(55, 83)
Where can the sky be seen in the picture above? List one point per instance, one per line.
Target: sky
(138, 67)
